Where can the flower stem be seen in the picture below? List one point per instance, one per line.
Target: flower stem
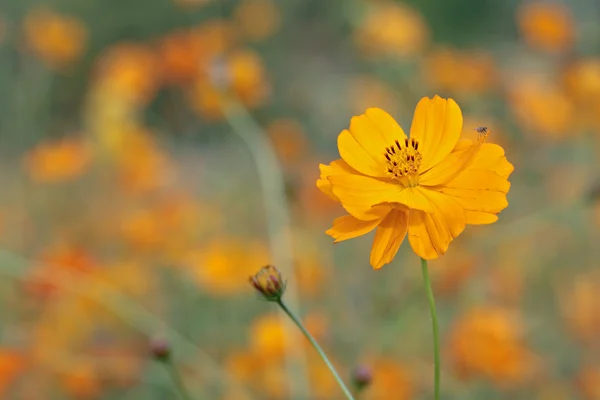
(318, 348)
(176, 378)
(436, 333)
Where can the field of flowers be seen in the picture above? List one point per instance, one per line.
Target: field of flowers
(158, 153)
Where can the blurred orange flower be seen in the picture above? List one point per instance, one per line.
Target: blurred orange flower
(390, 380)
(578, 303)
(488, 341)
(58, 40)
(542, 108)
(223, 267)
(429, 186)
(241, 75)
(452, 272)
(128, 71)
(581, 80)
(367, 91)
(179, 57)
(391, 29)
(588, 382)
(12, 363)
(57, 161)
(546, 25)
(257, 19)
(461, 72)
(82, 381)
(289, 139)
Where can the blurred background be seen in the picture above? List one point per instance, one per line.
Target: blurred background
(155, 153)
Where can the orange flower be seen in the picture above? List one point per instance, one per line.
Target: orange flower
(367, 91)
(288, 138)
(488, 341)
(588, 382)
(11, 364)
(581, 81)
(223, 267)
(82, 381)
(58, 161)
(460, 71)
(257, 19)
(390, 380)
(392, 29)
(56, 39)
(541, 107)
(429, 186)
(579, 306)
(546, 26)
(241, 75)
(128, 71)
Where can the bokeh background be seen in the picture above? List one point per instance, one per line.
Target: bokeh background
(155, 153)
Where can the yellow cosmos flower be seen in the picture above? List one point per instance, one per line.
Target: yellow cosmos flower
(428, 186)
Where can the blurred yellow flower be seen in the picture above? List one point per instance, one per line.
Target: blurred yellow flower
(546, 25)
(581, 80)
(57, 161)
(58, 40)
(257, 19)
(391, 29)
(429, 186)
(461, 72)
(488, 341)
(223, 267)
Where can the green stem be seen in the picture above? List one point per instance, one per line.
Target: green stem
(319, 350)
(436, 333)
(176, 378)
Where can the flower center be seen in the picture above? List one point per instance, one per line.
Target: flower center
(403, 160)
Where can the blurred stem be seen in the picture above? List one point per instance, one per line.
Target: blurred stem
(318, 348)
(436, 334)
(176, 378)
(277, 216)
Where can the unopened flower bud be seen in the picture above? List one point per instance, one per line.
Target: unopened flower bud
(160, 349)
(269, 283)
(362, 377)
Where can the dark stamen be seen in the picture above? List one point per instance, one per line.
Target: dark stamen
(387, 156)
(398, 144)
(395, 163)
(390, 170)
(406, 142)
(416, 145)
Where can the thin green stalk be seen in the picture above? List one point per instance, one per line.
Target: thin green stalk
(176, 378)
(436, 333)
(319, 350)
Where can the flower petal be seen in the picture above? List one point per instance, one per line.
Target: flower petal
(437, 125)
(359, 193)
(440, 227)
(361, 157)
(336, 166)
(388, 238)
(418, 237)
(386, 125)
(480, 218)
(348, 227)
(363, 145)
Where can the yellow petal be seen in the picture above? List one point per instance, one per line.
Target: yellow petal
(363, 145)
(361, 158)
(478, 200)
(481, 180)
(348, 227)
(437, 125)
(388, 238)
(386, 125)
(432, 233)
(491, 157)
(359, 193)
(336, 166)
(418, 237)
(480, 218)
